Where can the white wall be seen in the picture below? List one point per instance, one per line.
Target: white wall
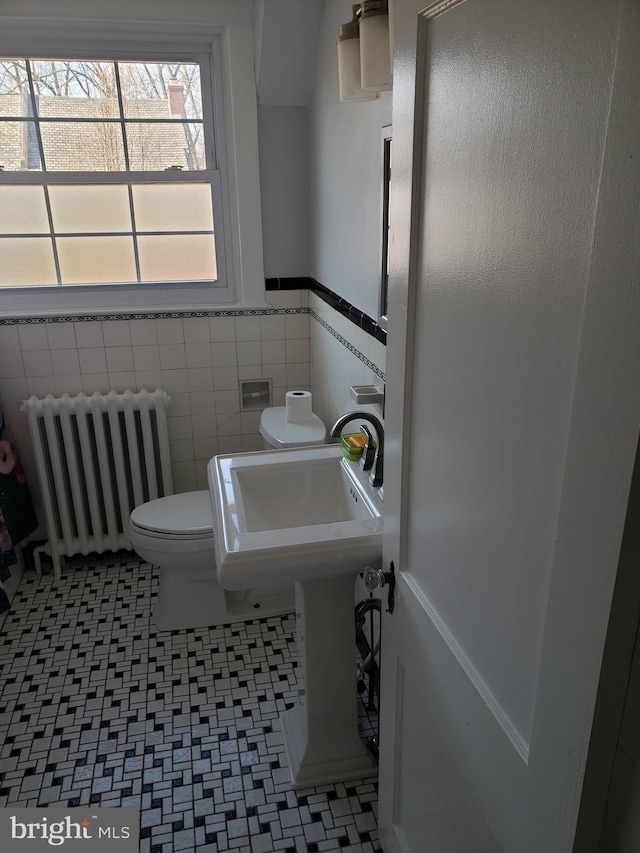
(346, 177)
(283, 134)
(345, 201)
(204, 11)
(286, 40)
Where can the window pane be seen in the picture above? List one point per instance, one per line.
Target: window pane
(23, 211)
(156, 147)
(75, 89)
(161, 90)
(14, 105)
(173, 207)
(26, 261)
(14, 88)
(82, 147)
(97, 260)
(19, 149)
(82, 116)
(78, 209)
(179, 257)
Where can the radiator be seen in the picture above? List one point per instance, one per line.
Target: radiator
(98, 457)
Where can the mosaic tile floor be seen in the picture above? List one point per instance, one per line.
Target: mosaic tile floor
(98, 707)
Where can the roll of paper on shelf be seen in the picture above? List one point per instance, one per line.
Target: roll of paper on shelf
(298, 404)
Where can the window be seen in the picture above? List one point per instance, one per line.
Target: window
(109, 173)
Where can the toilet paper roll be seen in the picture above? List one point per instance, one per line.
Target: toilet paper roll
(298, 405)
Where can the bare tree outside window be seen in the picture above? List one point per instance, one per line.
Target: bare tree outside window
(83, 125)
(106, 118)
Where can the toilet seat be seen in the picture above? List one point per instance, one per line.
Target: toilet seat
(187, 515)
(171, 537)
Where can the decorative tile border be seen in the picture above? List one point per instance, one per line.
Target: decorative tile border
(152, 315)
(359, 318)
(349, 346)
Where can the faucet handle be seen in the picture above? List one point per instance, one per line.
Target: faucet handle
(369, 452)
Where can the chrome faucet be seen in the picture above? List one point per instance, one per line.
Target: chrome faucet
(375, 477)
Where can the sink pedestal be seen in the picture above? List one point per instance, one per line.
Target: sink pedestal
(321, 735)
(306, 516)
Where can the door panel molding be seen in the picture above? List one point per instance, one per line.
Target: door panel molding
(518, 741)
(399, 721)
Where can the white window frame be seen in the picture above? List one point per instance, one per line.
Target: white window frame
(223, 80)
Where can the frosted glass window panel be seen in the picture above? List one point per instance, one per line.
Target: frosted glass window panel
(83, 146)
(98, 260)
(173, 207)
(161, 146)
(161, 90)
(23, 210)
(14, 87)
(177, 257)
(26, 261)
(90, 208)
(75, 88)
(19, 149)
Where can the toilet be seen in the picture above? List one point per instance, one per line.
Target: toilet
(175, 533)
(277, 433)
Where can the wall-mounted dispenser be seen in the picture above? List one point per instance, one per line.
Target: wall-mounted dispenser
(255, 394)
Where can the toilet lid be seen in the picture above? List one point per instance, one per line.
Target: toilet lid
(275, 429)
(187, 514)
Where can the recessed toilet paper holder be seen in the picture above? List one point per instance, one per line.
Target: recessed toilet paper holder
(365, 395)
(255, 394)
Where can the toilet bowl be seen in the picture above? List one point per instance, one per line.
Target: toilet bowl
(175, 533)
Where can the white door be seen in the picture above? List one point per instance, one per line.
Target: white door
(513, 410)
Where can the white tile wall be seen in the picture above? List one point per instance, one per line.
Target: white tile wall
(334, 368)
(88, 334)
(197, 360)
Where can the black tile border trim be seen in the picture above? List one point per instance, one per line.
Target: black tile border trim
(289, 283)
(359, 318)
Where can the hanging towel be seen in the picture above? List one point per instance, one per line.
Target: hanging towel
(17, 515)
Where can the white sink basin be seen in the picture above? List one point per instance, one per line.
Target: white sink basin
(292, 515)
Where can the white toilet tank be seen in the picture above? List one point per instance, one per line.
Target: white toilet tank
(277, 432)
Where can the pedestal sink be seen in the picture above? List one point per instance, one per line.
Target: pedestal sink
(310, 517)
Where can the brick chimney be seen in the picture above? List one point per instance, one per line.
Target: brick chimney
(177, 106)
